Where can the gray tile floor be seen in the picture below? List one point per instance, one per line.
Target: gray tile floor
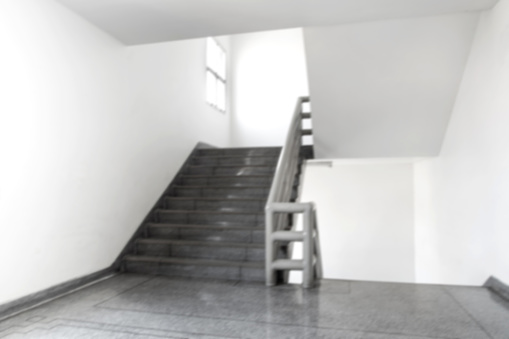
(137, 306)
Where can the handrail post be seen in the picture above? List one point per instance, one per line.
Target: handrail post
(317, 248)
(270, 278)
(308, 247)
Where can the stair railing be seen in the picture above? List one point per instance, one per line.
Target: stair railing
(279, 207)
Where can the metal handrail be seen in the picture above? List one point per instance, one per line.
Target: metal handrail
(278, 208)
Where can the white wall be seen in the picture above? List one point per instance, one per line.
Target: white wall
(84, 155)
(462, 226)
(365, 215)
(386, 88)
(269, 74)
(169, 94)
(63, 98)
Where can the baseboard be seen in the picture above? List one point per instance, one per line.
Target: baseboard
(22, 304)
(498, 287)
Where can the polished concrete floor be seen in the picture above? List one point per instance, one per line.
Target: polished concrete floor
(137, 306)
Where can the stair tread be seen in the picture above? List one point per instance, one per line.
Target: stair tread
(207, 226)
(211, 243)
(200, 262)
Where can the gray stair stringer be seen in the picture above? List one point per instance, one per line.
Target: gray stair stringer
(210, 223)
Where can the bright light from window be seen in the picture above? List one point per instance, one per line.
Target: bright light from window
(216, 75)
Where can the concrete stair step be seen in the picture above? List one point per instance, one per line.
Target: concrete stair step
(246, 152)
(233, 180)
(228, 160)
(210, 217)
(257, 192)
(199, 268)
(216, 250)
(217, 204)
(231, 232)
(237, 170)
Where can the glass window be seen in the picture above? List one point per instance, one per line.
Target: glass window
(216, 75)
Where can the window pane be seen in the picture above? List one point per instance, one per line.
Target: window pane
(221, 95)
(211, 88)
(215, 56)
(210, 52)
(222, 65)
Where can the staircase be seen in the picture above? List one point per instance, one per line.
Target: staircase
(210, 223)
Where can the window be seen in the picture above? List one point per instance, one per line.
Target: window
(216, 75)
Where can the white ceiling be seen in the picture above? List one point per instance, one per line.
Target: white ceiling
(147, 21)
